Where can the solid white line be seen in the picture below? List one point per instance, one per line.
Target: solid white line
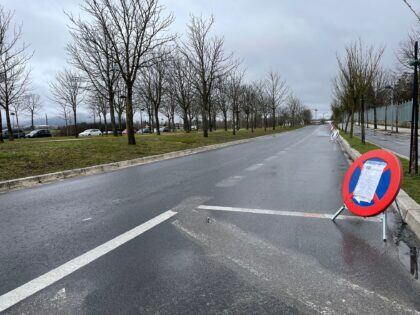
(15, 296)
(287, 213)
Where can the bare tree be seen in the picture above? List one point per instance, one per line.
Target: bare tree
(263, 102)
(67, 91)
(277, 91)
(119, 103)
(222, 100)
(356, 73)
(207, 58)
(181, 86)
(91, 52)
(13, 66)
(17, 108)
(154, 85)
(135, 29)
(235, 81)
(32, 105)
(405, 51)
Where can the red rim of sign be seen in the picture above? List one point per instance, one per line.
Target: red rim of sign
(379, 204)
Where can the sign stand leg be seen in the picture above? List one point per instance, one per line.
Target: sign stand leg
(338, 213)
(399, 211)
(384, 226)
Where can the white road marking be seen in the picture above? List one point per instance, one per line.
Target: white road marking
(229, 182)
(87, 219)
(254, 167)
(287, 213)
(15, 296)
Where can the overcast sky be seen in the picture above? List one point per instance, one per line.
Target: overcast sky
(297, 38)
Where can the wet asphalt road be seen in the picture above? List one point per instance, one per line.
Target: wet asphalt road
(208, 261)
(397, 142)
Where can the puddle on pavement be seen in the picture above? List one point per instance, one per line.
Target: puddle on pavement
(408, 245)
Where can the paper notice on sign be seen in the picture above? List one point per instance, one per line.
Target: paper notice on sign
(369, 180)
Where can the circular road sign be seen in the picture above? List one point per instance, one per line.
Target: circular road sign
(386, 190)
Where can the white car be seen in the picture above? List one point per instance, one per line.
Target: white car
(90, 133)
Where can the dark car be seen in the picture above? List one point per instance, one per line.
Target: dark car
(41, 133)
(17, 134)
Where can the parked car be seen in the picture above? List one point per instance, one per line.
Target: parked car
(90, 133)
(17, 133)
(144, 131)
(40, 133)
(162, 129)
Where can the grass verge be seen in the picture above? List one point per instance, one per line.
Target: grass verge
(29, 157)
(411, 183)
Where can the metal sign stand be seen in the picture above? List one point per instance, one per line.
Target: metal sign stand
(383, 220)
(384, 236)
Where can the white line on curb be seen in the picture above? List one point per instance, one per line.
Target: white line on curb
(287, 213)
(15, 296)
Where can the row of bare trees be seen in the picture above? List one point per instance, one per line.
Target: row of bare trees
(362, 83)
(123, 58)
(16, 96)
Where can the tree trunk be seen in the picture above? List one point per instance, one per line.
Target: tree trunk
(106, 126)
(265, 123)
(210, 124)
(9, 125)
(247, 121)
(225, 120)
(233, 121)
(75, 123)
(129, 115)
(351, 124)
(157, 120)
(347, 123)
(186, 122)
(32, 121)
(120, 121)
(396, 119)
(205, 124)
(386, 117)
(238, 122)
(112, 113)
(274, 118)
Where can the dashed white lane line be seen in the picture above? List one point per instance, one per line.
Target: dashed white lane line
(287, 213)
(254, 167)
(15, 296)
(229, 182)
(87, 219)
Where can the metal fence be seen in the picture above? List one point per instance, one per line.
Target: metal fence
(389, 113)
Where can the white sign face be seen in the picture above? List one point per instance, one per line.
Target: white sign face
(369, 180)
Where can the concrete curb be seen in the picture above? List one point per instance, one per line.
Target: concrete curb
(21, 183)
(409, 207)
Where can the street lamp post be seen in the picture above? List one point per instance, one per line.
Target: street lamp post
(389, 87)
